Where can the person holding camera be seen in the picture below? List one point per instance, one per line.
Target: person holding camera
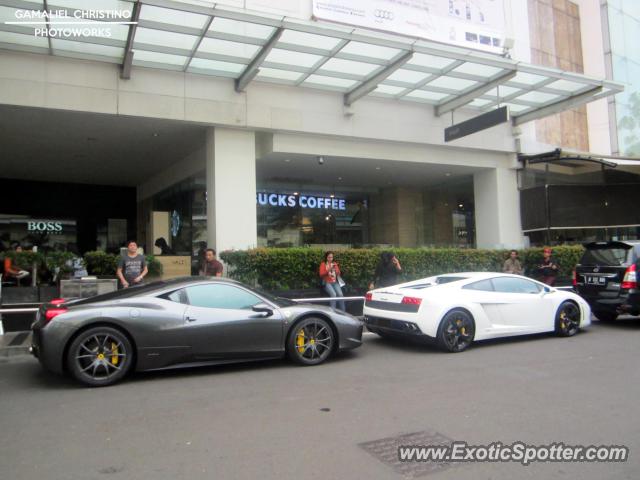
(387, 272)
(548, 269)
(331, 279)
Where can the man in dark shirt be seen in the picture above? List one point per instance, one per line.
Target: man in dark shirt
(132, 267)
(211, 267)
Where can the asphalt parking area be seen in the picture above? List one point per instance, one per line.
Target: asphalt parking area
(275, 420)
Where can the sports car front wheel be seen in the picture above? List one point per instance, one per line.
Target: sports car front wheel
(456, 331)
(567, 319)
(100, 356)
(310, 341)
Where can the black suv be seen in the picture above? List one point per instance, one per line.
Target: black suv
(606, 278)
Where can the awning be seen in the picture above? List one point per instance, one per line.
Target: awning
(204, 38)
(569, 158)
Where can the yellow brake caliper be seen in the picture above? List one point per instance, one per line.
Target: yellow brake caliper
(460, 329)
(300, 341)
(563, 315)
(114, 353)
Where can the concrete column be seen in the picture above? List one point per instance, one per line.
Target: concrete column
(231, 189)
(497, 209)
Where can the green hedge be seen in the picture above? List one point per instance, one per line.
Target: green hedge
(101, 263)
(97, 263)
(297, 268)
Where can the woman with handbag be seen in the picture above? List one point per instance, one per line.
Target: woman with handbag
(331, 279)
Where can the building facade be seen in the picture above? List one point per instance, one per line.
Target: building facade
(254, 123)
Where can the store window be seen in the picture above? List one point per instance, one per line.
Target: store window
(44, 233)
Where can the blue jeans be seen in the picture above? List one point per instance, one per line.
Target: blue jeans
(334, 290)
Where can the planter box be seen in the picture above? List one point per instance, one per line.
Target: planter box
(77, 288)
(20, 295)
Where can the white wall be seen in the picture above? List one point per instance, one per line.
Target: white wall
(231, 189)
(497, 209)
(593, 60)
(80, 85)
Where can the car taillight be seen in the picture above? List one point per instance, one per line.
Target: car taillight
(630, 278)
(411, 300)
(368, 296)
(51, 313)
(575, 278)
(58, 301)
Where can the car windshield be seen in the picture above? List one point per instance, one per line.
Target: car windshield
(279, 301)
(604, 256)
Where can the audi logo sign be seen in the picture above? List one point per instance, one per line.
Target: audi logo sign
(383, 14)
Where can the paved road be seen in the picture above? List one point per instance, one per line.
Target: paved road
(279, 421)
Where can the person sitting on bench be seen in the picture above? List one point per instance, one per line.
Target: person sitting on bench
(11, 270)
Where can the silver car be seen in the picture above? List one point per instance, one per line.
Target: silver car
(184, 322)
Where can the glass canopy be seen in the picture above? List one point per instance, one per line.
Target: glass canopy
(201, 37)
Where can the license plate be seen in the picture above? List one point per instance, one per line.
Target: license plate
(591, 280)
(387, 297)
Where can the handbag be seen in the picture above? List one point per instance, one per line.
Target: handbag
(341, 282)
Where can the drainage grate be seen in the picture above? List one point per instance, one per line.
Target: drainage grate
(386, 450)
(18, 339)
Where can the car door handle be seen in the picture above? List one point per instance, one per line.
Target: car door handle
(190, 319)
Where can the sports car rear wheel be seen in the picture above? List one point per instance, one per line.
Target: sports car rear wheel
(567, 319)
(311, 341)
(100, 356)
(456, 331)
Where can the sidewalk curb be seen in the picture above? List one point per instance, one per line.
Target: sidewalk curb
(13, 344)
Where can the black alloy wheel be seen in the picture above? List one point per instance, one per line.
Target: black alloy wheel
(568, 319)
(456, 331)
(100, 356)
(310, 341)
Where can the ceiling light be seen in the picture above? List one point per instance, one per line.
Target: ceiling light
(340, 178)
(447, 174)
(155, 134)
(287, 160)
(377, 168)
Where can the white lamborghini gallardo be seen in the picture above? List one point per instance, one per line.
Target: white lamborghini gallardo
(457, 308)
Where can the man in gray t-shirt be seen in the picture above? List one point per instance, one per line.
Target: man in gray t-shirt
(132, 267)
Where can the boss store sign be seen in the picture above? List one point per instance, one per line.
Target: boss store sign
(50, 227)
(304, 201)
(36, 226)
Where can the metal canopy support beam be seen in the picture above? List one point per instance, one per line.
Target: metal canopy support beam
(471, 95)
(253, 68)
(204, 31)
(557, 107)
(372, 82)
(46, 9)
(125, 72)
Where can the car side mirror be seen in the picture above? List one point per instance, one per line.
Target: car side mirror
(263, 308)
(545, 290)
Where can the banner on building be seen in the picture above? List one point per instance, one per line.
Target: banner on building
(478, 24)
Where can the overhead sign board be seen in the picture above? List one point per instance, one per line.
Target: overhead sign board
(478, 24)
(476, 124)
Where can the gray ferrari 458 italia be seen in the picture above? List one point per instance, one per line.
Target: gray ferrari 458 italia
(184, 322)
